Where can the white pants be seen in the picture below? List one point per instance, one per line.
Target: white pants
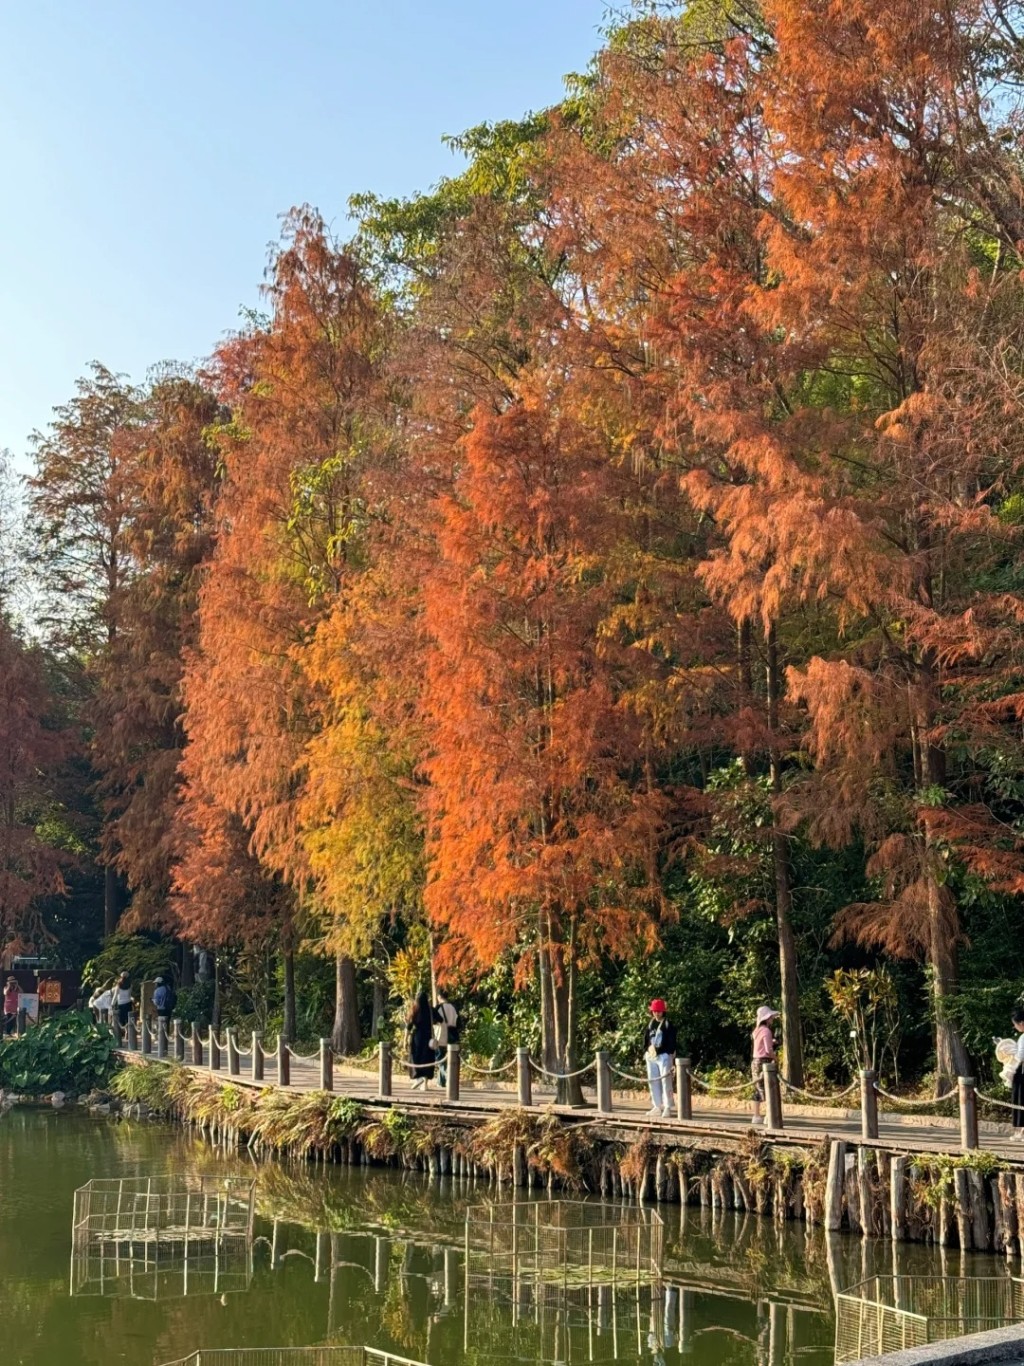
(659, 1074)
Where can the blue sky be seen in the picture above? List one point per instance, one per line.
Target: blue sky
(147, 149)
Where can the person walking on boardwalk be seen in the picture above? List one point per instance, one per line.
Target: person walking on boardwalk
(11, 993)
(660, 1055)
(101, 1003)
(420, 1033)
(163, 1001)
(123, 1000)
(1017, 1088)
(763, 1051)
(446, 1031)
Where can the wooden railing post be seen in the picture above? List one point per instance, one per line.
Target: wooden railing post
(604, 1082)
(326, 1066)
(284, 1068)
(214, 1050)
(453, 1080)
(868, 1104)
(197, 1045)
(772, 1095)
(178, 1037)
(523, 1077)
(684, 1089)
(234, 1062)
(161, 1036)
(146, 1037)
(384, 1070)
(968, 1112)
(257, 1057)
(133, 1041)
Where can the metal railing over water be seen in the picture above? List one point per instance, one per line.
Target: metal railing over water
(563, 1242)
(892, 1313)
(295, 1356)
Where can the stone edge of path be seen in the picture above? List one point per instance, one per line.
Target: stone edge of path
(977, 1349)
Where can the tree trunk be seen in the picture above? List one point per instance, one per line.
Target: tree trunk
(379, 999)
(288, 1015)
(187, 970)
(548, 1037)
(951, 1060)
(569, 1090)
(345, 1036)
(215, 1013)
(792, 1039)
(111, 900)
(745, 675)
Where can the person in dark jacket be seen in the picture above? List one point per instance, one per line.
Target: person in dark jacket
(420, 1032)
(660, 1055)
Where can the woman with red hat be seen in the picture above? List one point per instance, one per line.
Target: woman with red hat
(660, 1054)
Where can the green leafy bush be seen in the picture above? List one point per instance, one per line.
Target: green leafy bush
(195, 1004)
(142, 956)
(67, 1052)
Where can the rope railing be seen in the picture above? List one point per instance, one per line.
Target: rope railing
(824, 1100)
(722, 1090)
(641, 1081)
(904, 1100)
(560, 1076)
(993, 1100)
(489, 1071)
(303, 1057)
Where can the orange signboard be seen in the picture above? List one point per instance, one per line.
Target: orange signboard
(49, 993)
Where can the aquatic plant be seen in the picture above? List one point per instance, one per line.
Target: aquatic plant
(67, 1052)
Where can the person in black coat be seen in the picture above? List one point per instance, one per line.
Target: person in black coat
(420, 1034)
(660, 1056)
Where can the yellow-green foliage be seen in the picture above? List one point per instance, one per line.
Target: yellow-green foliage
(145, 1085)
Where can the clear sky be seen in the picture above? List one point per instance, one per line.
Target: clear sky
(147, 148)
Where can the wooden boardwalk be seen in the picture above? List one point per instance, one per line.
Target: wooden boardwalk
(480, 1097)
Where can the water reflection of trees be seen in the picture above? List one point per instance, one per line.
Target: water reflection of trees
(385, 1254)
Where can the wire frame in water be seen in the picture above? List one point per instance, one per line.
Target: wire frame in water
(563, 1242)
(892, 1313)
(166, 1208)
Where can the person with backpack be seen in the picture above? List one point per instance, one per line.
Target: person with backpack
(446, 1031)
(164, 999)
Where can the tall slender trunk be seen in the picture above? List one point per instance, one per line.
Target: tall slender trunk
(346, 1037)
(111, 900)
(288, 1016)
(379, 999)
(951, 1059)
(215, 1013)
(548, 1038)
(745, 676)
(563, 980)
(791, 1029)
(187, 966)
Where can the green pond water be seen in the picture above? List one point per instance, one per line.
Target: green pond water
(369, 1257)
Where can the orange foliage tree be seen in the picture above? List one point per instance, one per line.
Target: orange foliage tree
(288, 518)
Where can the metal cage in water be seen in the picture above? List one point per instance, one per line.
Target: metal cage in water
(892, 1313)
(163, 1237)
